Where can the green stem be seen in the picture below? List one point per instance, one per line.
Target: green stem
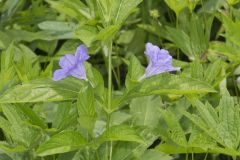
(234, 81)
(177, 19)
(119, 76)
(110, 150)
(109, 94)
(116, 75)
(177, 26)
(170, 15)
(109, 76)
(205, 158)
(186, 158)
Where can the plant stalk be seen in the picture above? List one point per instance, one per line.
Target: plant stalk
(109, 76)
(177, 26)
(109, 93)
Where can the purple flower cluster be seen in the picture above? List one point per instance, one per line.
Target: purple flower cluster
(160, 61)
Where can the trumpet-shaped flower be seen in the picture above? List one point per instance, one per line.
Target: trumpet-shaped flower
(72, 65)
(160, 61)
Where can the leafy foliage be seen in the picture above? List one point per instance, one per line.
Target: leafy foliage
(117, 113)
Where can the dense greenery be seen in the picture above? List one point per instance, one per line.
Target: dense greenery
(190, 114)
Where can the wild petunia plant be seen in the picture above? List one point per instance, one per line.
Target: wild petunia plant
(129, 101)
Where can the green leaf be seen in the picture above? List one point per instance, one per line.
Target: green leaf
(86, 34)
(164, 84)
(96, 79)
(107, 33)
(200, 139)
(199, 34)
(212, 72)
(154, 154)
(126, 37)
(119, 117)
(222, 124)
(145, 111)
(175, 130)
(84, 154)
(232, 2)
(65, 117)
(9, 79)
(177, 37)
(176, 149)
(61, 143)
(11, 7)
(68, 47)
(5, 40)
(174, 84)
(208, 114)
(47, 46)
(43, 91)
(121, 133)
(62, 26)
(27, 36)
(27, 65)
(212, 6)
(192, 4)
(7, 57)
(232, 29)
(154, 29)
(11, 149)
(32, 116)
(176, 5)
(86, 108)
(73, 8)
(4, 125)
(121, 9)
(103, 8)
(229, 118)
(135, 72)
(228, 50)
(196, 36)
(21, 131)
(197, 71)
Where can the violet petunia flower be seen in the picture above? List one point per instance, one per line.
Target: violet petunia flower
(72, 65)
(160, 61)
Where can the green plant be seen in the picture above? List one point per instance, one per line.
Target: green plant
(118, 111)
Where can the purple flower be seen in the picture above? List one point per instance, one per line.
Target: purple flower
(159, 61)
(72, 65)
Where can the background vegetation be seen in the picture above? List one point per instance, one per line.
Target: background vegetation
(192, 114)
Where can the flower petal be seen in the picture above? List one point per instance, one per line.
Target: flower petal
(67, 62)
(59, 74)
(154, 70)
(164, 57)
(79, 71)
(82, 53)
(152, 52)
